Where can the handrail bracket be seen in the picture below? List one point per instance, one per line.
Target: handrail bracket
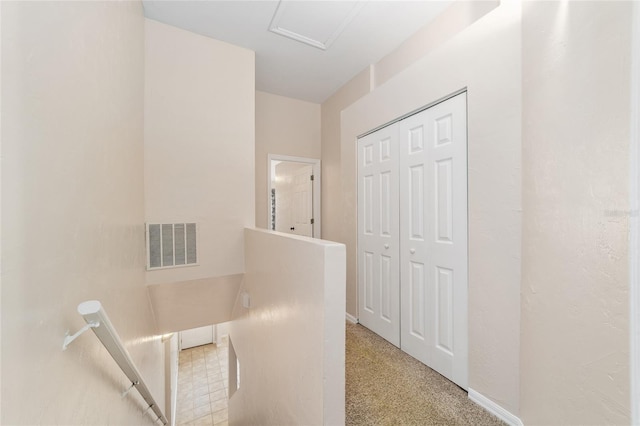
(68, 339)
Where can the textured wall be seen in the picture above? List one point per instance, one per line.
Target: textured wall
(332, 212)
(73, 211)
(290, 342)
(575, 319)
(199, 145)
(455, 18)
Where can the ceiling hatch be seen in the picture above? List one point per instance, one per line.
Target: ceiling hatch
(315, 23)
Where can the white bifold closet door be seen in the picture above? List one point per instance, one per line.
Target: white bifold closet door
(430, 236)
(378, 245)
(433, 237)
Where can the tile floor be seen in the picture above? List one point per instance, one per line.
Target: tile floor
(203, 385)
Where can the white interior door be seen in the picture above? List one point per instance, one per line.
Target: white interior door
(433, 237)
(303, 201)
(378, 244)
(294, 198)
(197, 337)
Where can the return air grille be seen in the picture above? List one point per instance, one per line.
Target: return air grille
(171, 245)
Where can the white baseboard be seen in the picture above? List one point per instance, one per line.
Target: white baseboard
(494, 408)
(351, 318)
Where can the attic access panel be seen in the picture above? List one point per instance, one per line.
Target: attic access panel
(315, 23)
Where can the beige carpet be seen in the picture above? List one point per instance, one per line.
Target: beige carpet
(385, 386)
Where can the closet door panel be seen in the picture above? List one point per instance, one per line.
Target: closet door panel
(448, 244)
(378, 273)
(416, 294)
(434, 142)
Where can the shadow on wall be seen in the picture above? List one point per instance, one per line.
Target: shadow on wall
(288, 332)
(190, 304)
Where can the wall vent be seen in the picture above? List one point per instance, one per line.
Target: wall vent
(171, 245)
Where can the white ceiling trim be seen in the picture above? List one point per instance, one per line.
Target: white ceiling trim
(277, 25)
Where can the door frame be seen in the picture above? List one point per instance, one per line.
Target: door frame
(634, 219)
(317, 179)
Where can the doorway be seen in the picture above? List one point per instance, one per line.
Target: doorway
(294, 194)
(197, 337)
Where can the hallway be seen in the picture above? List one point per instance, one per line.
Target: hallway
(385, 386)
(203, 385)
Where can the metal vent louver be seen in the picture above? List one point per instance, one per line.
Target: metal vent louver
(171, 245)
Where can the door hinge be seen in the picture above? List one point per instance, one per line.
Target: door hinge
(312, 221)
(311, 177)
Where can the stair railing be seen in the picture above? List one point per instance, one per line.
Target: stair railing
(99, 322)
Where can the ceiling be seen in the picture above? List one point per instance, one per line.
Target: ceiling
(304, 49)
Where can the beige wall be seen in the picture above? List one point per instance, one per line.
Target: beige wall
(575, 319)
(485, 58)
(73, 212)
(291, 340)
(455, 18)
(199, 145)
(332, 211)
(194, 303)
(284, 126)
